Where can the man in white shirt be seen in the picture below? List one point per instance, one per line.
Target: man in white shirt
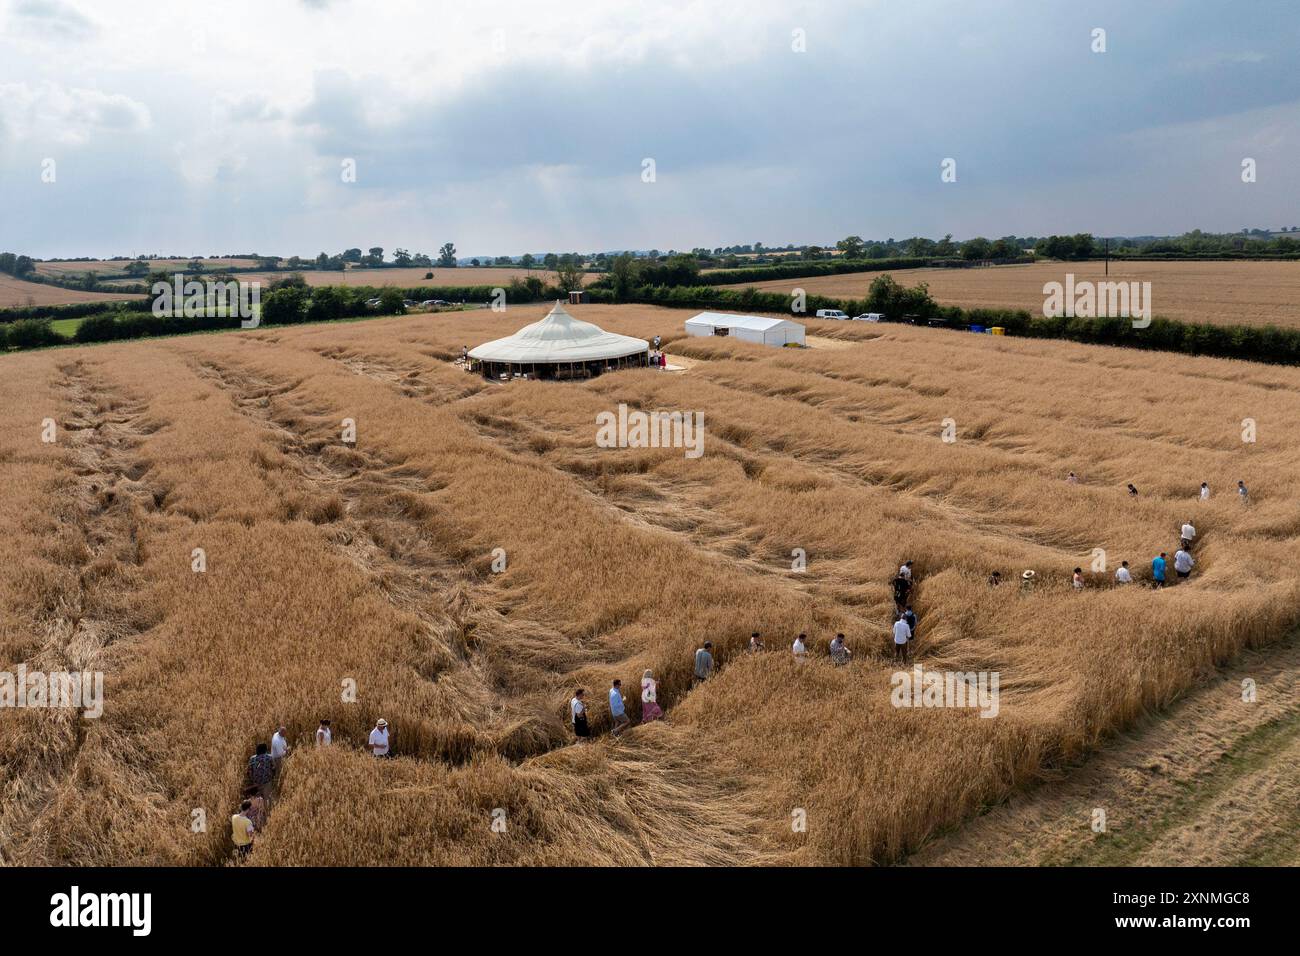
(1189, 533)
(1183, 563)
(279, 745)
(324, 736)
(378, 743)
(906, 571)
(902, 634)
(1205, 491)
(578, 710)
(800, 649)
(1122, 575)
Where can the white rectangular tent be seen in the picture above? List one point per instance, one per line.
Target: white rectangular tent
(747, 328)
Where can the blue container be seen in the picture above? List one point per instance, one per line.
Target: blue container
(977, 328)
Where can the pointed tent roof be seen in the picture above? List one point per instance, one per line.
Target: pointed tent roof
(559, 338)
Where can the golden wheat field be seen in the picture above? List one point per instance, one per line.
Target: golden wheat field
(1232, 293)
(72, 267)
(17, 293)
(407, 278)
(333, 565)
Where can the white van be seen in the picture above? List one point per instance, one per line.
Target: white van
(869, 317)
(831, 314)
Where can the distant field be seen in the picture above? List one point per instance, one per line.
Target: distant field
(1249, 293)
(406, 278)
(16, 292)
(60, 269)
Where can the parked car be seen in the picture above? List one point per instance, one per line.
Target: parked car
(831, 314)
(372, 303)
(869, 317)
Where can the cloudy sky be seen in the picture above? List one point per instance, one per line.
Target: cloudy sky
(510, 126)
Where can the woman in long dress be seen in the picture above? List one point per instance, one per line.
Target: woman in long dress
(650, 709)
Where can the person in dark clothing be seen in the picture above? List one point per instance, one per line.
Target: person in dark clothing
(902, 589)
(910, 617)
(261, 768)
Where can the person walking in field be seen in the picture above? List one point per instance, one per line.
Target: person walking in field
(910, 617)
(755, 645)
(256, 807)
(1078, 579)
(995, 579)
(902, 588)
(1242, 493)
(242, 830)
(704, 662)
(378, 742)
(902, 634)
(1189, 535)
(906, 571)
(1205, 491)
(800, 647)
(840, 653)
(1122, 574)
(1158, 570)
(578, 711)
(1132, 490)
(1072, 478)
(1183, 562)
(324, 736)
(650, 709)
(261, 768)
(279, 746)
(617, 709)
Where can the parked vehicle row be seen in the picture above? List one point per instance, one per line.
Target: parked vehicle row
(841, 316)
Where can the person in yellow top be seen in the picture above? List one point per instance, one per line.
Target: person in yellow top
(242, 830)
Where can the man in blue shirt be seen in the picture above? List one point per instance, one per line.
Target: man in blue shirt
(704, 662)
(1158, 570)
(617, 710)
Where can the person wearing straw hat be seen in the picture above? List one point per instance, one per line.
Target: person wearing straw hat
(1027, 580)
(378, 743)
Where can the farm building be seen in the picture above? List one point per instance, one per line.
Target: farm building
(747, 328)
(559, 346)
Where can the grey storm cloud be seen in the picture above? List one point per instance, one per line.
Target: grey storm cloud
(751, 141)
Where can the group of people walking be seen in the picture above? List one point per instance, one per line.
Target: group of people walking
(1183, 561)
(650, 709)
(704, 665)
(263, 769)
